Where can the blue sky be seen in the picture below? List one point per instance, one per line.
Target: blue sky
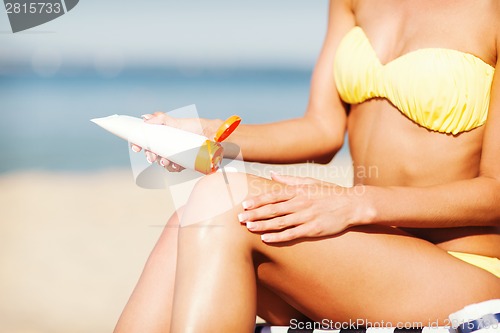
(182, 33)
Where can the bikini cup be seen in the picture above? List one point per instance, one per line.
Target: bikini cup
(441, 89)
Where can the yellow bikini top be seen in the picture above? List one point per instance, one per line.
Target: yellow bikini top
(441, 89)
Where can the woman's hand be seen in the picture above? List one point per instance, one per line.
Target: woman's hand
(186, 124)
(304, 207)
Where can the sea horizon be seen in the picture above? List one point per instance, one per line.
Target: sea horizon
(46, 119)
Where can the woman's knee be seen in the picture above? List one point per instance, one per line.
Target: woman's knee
(236, 185)
(215, 195)
(210, 217)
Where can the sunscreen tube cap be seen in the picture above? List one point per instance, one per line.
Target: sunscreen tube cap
(211, 153)
(209, 157)
(227, 127)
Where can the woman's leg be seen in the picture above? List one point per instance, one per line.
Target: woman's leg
(149, 308)
(372, 273)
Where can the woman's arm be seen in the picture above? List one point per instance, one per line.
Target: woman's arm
(319, 134)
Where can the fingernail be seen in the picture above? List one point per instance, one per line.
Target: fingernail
(242, 217)
(149, 160)
(251, 225)
(146, 116)
(135, 149)
(162, 162)
(247, 204)
(265, 238)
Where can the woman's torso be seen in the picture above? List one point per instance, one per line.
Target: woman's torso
(390, 149)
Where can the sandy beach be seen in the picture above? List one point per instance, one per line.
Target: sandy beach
(72, 245)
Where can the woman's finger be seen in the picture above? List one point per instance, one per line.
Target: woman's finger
(178, 167)
(169, 165)
(157, 118)
(300, 231)
(275, 224)
(162, 161)
(150, 156)
(160, 118)
(275, 196)
(268, 211)
(174, 167)
(135, 148)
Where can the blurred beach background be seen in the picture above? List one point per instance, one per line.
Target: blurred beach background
(75, 229)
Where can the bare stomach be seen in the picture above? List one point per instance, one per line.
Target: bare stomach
(388, 149)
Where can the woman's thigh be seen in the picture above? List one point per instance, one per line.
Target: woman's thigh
(373, 272)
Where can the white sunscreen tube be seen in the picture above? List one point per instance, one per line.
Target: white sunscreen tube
(186, 149)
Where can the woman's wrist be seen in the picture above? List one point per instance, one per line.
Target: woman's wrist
(365, 211)
(210, 126)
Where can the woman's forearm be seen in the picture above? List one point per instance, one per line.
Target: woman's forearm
(290, 141)
(474, 202)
